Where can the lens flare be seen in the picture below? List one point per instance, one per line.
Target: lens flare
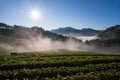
(35, 14)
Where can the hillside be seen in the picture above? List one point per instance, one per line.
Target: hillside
(76, 32)
(109, 37)
(20, 32)
(112, 33)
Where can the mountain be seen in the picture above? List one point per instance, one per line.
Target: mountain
(69, 31)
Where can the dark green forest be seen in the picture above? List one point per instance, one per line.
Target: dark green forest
(108, 37)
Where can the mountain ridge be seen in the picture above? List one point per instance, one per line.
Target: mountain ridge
(76, 32)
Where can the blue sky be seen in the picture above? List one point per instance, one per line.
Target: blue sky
(96, 14)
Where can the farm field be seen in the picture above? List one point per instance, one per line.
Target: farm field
(60, 65)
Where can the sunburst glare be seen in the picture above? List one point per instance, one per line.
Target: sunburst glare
(35, 14)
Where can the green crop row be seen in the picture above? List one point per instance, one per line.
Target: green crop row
(32, 58)
(54, 71)
(61, 64)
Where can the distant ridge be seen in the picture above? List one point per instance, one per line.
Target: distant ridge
(69, 31)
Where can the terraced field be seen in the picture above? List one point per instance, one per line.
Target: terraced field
(60, 65)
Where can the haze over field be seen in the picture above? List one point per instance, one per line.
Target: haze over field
(35, 39)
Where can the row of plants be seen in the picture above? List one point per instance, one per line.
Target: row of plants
(34, 65)
(78, 66)
(53, 72)
(40, 57)
(33, 58)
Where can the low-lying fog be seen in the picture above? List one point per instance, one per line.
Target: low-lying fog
(42, 44)
(85, 38)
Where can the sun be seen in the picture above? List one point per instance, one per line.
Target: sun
(35, 14)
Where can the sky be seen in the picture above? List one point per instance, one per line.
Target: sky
(96, 14)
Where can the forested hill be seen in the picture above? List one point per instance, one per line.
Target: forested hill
(109, 37)
(112, 33)
(12, 33)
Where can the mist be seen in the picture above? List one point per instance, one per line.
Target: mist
(41, 44)
(85, 38)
